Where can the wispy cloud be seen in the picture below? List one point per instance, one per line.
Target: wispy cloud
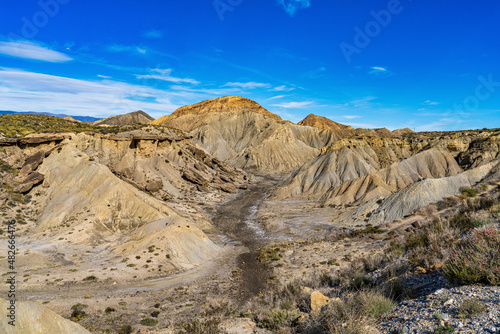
(378, 70)
(33, 51)
(316, 73)
(351, 116)
(293, 105)
(153, 33)
(126, 48)
(276, 97)
(282, 88)
(247, 85)
(431, 103)
(104, 76)
(447, 123)
(291, 6)
(165, 75)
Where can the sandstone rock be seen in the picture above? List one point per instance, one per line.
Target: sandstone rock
(318, 300)
(226, 187)
(28, 183)
(34, 318)
(154, 185)
(32, 163)
(194, 177)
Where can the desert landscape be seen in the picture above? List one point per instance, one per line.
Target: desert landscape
(249, 167)
(223, 218)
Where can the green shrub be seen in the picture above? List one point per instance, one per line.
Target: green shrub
(469, 192)
(471, 308)
(149, 322)
(476, 259)
(78, 312)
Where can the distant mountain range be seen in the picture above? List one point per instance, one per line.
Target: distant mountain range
(86, 119)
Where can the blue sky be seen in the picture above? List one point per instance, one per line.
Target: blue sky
(427, 65)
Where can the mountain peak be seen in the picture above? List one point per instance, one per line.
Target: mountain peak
(323, 123)
(218, 105)
(136, 117)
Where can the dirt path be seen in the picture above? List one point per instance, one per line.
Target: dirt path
(235, 218)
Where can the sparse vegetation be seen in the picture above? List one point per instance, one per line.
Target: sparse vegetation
(151, 322)
(476, 258)
(78, 312)
(470, 308)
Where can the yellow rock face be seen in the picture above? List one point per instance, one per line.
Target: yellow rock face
(33, 318)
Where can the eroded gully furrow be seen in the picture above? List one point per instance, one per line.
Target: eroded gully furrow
(236, 219)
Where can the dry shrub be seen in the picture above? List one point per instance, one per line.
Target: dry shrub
(476, 259)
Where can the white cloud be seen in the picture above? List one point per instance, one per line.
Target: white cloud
(153, 33)
(291, 6)
(351, 116)
(164, 75)
(126, 48)
(282, 88)
(293, 105)
(378, 70)
(104, 76)
(276, 97)
(247, 85)
(34, 51)
(431, 103)
(30, 91)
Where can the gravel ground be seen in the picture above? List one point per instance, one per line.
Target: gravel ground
(437, 309)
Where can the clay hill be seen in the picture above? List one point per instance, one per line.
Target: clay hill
(322, 123)
(245, 135)
(136, 117)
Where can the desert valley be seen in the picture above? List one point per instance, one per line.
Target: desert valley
(222, 217)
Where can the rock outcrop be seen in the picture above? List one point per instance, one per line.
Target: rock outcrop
(33, 318)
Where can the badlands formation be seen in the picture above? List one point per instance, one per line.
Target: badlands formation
(142, 223)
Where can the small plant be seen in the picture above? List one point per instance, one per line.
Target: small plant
(469, 192)
(78, 312)
(444, 329)
(109, 310)
(90, 278)
(149, 322)
(197, 326)
(275, 319)
(471, 308)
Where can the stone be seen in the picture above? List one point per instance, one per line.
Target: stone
(26, 185)
(194, 177)
(32, 163)
(318, 300)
